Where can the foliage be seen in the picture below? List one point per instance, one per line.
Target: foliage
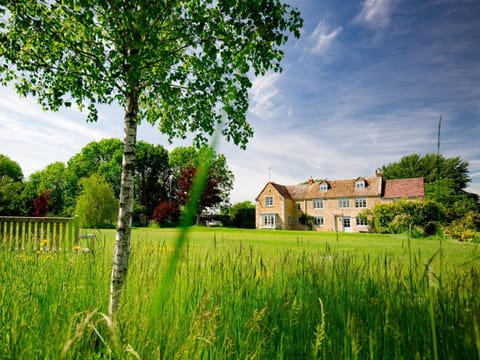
(184, 159)
(166, 213)
(211, 193)
(55, 178)
(464, 228)
(401, 216)
(96, 205)
(152, 175)
(242, 215)
(11, 202)
(10, 169)
(306, 220)
(432, 168)
(41, 203)
(98, 157)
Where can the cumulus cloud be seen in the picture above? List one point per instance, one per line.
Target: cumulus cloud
(375, 13)
(322, 37)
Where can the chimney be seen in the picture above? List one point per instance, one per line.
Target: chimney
(378, 172)
(310, 181)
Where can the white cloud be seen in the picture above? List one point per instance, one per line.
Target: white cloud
(375, 13)
(323, 37)
(262, 92)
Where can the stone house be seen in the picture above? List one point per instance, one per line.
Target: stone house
(334, 205)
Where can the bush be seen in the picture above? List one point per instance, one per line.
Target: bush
(463, 229)
(401, 216)
(166, 213)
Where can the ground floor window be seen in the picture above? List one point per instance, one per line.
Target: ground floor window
(318, 220)
(269, 221)
(361, 221)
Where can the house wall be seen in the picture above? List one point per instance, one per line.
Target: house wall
(332, 213)
(278, 207)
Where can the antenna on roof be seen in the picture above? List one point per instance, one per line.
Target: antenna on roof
(438, 155)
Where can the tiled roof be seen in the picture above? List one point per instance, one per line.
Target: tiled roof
(404, 188)
(336, 189)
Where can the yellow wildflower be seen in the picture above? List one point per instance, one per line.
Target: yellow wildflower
(76, 247)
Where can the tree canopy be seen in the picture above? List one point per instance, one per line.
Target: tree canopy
(183, 65)
(432, 168)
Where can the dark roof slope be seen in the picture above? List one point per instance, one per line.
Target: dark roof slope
(404, 188)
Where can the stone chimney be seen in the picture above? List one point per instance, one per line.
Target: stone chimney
(310, 181)
(378, 172)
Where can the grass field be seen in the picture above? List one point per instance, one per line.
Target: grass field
(241, 294)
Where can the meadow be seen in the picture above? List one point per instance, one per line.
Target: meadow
(246, 294)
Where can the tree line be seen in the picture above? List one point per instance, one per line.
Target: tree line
(88, 185)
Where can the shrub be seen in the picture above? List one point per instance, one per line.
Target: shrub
(463, 229)
(166, 213)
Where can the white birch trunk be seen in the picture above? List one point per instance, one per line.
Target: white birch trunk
(122, 240)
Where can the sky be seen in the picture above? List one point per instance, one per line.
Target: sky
(365, 85)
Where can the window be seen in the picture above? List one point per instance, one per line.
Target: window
(323, 187)
(318, 204)
(290, 220)
(318, 220)
(299, 206)
(344, 203)
(360, 203)
(268, 200)
(360, 184)
(268, 221)
(361, 221)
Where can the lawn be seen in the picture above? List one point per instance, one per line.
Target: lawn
(247, 294)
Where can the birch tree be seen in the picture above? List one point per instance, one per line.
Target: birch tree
(176, 64)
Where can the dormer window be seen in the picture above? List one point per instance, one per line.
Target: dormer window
(323, 187)
(360, 184)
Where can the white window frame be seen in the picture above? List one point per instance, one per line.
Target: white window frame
(268, 201)
(360, 203)
(319, 220)
(344, 203)
(361, 221)
(268, 221)
(360, 184)
(318, 203)
(299, 206)
(323, 187)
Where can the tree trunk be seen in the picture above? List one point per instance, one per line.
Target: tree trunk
(122, 240)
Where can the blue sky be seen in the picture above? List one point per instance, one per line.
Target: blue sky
(364, 86)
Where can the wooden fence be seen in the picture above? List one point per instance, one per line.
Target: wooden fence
(39, 233)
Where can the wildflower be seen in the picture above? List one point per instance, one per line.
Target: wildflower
(76, 247)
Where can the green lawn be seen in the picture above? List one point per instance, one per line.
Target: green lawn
(241, 294)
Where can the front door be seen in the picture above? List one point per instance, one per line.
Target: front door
(347, 226)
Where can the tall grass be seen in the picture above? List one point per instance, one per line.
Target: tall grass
(235, 296)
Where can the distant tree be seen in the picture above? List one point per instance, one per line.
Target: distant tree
(11, 187)
(242, 215)
(96, 204)
(11, 202)
(152, 176)
(54, 178)
(211, 195)
(186, 159)
(10, 169)
(98, 157)
(431, 167)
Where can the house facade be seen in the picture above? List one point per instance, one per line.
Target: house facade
(334, 205)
